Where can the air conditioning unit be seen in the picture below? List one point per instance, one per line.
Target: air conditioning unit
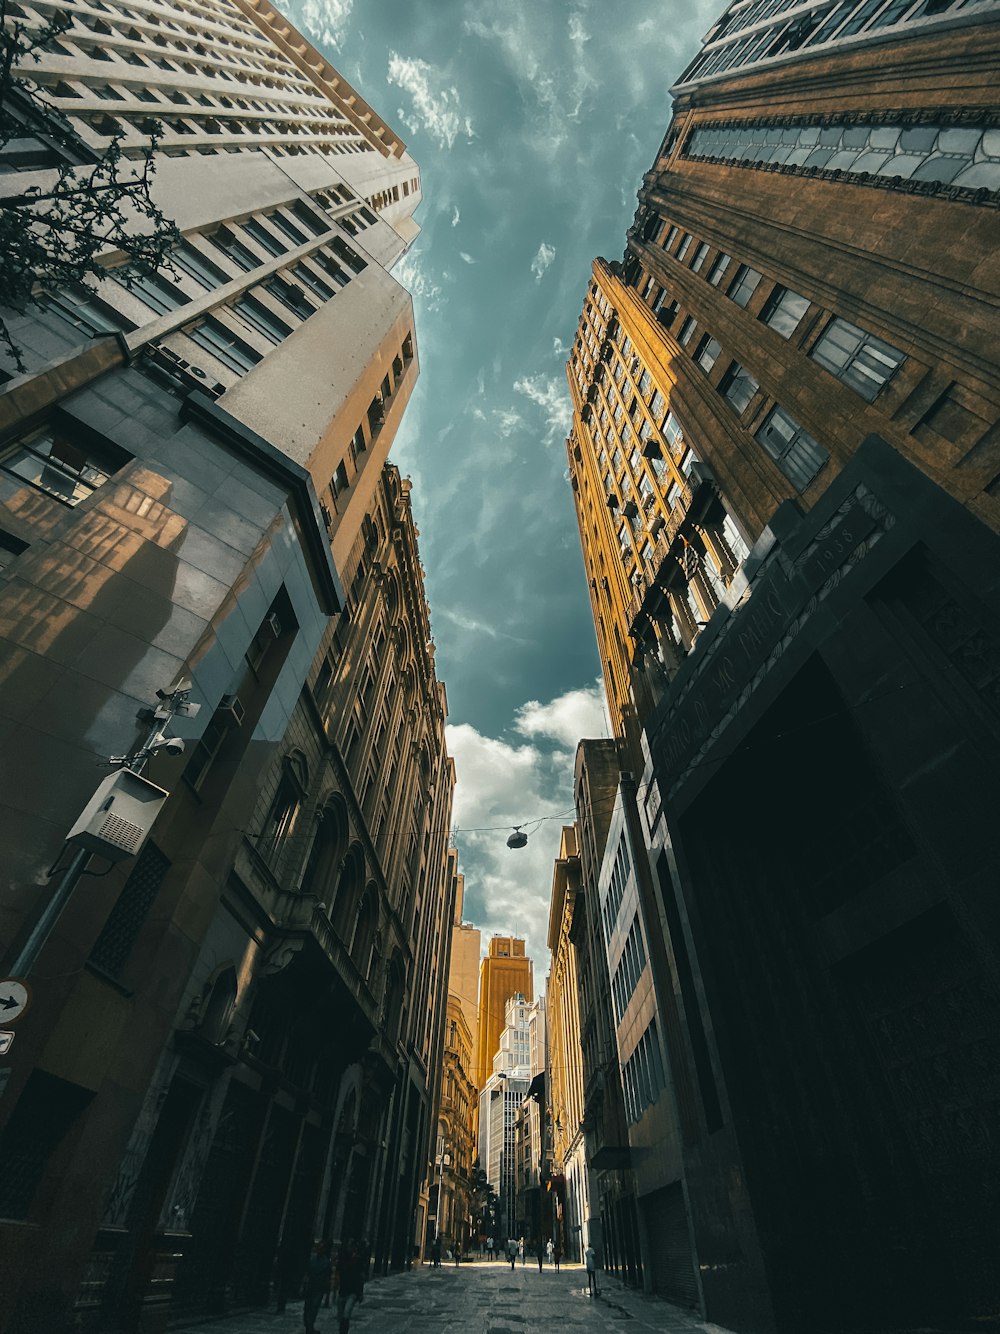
(118, 817)
(232, 709)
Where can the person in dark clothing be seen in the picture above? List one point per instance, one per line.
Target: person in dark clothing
(349, 1282)
(556, 1257)
(318, 1274)
(540, 1248)
(512, 1252)
(436, 1253)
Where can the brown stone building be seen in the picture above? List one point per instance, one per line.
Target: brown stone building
(785, 460)
(504, 972)
(235, 1036)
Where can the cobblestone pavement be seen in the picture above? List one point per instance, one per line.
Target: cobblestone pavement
(482, 1298)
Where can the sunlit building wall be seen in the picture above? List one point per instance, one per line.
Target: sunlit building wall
(784, 456)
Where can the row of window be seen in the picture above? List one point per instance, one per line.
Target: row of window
(629, 970)
(859, 359)
(642, 1074)
(616, 887)
(822, 25)
(368, 430)
(962, 155)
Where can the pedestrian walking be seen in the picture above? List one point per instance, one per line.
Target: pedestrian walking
(436, 1253)
(349, 1282)
(549, 1250)
(556, 1257)
(319, 1272)
(541, 1253)
(590, 1260)
(458, 1253)
(520, 1248)
(489, 1248)
(511, 1252)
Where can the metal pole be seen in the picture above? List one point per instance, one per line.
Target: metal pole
(32, 947)
(437, 1216)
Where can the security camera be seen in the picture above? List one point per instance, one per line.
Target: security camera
(173, 745)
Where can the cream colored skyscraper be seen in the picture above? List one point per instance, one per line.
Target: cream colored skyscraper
(463, 979)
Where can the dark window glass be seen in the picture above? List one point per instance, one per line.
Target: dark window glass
(225, 345)
(153, 289)
(738, 387)
(858, 358)
(259, 317)
(194, 263)
(264, 237)
(783, 310)
(707, 353)
(794, 450)
(744, 284)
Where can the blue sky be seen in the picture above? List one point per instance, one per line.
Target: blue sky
(532, 122)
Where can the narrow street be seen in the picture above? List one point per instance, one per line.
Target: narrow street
(481, 1298)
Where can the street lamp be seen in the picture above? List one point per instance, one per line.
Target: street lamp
(443, 1160)
(116, 820)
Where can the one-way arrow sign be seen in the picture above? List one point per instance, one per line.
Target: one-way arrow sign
(15, 997)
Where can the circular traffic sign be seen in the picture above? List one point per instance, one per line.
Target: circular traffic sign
(15, 997)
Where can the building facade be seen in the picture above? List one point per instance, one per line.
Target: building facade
(238, 1044)
(612, 1227)
(463, 980)
(785, 478)
(500, 1102)
(505, 972)
(570, 1173)
(450, 1222)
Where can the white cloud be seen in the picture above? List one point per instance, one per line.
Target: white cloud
(546, 254)
(508, 421)
(567, 719)
(524, 781)
(468, 258)
(559, 348)
(436, 108)
(552, 396)
(455, 216)
(326, 20)
(418, 282)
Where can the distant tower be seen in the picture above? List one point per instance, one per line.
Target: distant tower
(463, 979)
(505, 972)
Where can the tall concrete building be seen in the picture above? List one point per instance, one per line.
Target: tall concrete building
(785, 463)
(500, 1099)
(237, 1041)
(505, 972)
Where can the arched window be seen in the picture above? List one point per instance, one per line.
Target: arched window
(328, 847)
(282, 817)
(365, 926)
(390, 595)
(344, 913)
(395, 983)
(220, 1002)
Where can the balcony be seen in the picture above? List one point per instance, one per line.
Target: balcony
(696, 494)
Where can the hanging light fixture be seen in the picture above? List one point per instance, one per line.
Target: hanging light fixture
(518, 839)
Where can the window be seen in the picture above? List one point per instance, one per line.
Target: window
(783, 310)
(743, 286)
(331, 268)
(80, 311)
(155, 291)
(861, 360)
(707, 353)
(69, 469)
(225, 345)
(685, 245)
(293, 233)
(670, 237)
(316, 285)
(339, 481)
(350, 257)
(264, 238)
(700, 255)
(796, 453)
(196, 266)
(688, 329)
(738, 387)
(316, 224)
(257, 315)
(718, 270)
(10, 547)
(281, 818)
(291, 296)
(235, 250)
